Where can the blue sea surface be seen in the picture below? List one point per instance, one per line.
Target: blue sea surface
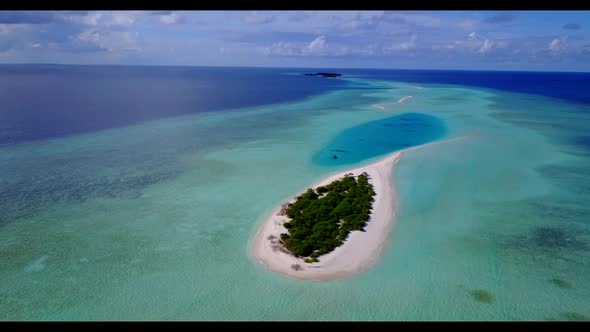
(133, 193)
(43, 101)
(570, 86)
(379, 137)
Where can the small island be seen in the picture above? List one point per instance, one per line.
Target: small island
(335, 229)
(321, 219)
(345, 221)
(323, 74)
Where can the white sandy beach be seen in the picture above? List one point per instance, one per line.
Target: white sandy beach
(360, 251)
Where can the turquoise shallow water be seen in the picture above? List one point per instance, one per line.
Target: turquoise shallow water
(379, 137)
(154, 221)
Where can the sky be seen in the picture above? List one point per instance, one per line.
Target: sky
(470, 40)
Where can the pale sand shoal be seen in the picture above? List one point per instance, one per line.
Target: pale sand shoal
(404, 99)
(399, 101)
(360, 251)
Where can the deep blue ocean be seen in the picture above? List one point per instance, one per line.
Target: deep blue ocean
(570, 86)
(43, 101)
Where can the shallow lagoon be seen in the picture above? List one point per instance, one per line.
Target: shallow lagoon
(153, 221)
(379, 137)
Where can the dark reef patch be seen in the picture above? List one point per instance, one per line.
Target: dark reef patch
(564, 238)
(562, 210)
(577, 178)
(481, 295)
(561, 283)
(575, 316)
(555, 237)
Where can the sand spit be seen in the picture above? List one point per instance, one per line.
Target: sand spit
(360, 251)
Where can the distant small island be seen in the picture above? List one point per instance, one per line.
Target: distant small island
(321, 219)
(324, 74)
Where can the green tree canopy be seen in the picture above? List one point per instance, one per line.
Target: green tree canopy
(322, 219)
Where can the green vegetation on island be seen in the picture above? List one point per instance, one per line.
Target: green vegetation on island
(323, 74)
(321, 219)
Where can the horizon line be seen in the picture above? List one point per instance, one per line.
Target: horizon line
(286, 67)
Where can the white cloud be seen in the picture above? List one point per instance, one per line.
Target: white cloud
(397, 32)
(468, 25)
(361, 21)
(282, 49)
(112, 41)
(501, 43)
(53, 45)
(91, 36)
(557, 45)
(299, 16)
(4, 29)
(421, 20)
(91, 19)
(255, 18)
(171, 18)
(486, 46)
(404, 46)
(105, 19)
(314, 34)
(357, 25)
(424, 21)
(121, 19)
(316, 46)
(469, 45)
